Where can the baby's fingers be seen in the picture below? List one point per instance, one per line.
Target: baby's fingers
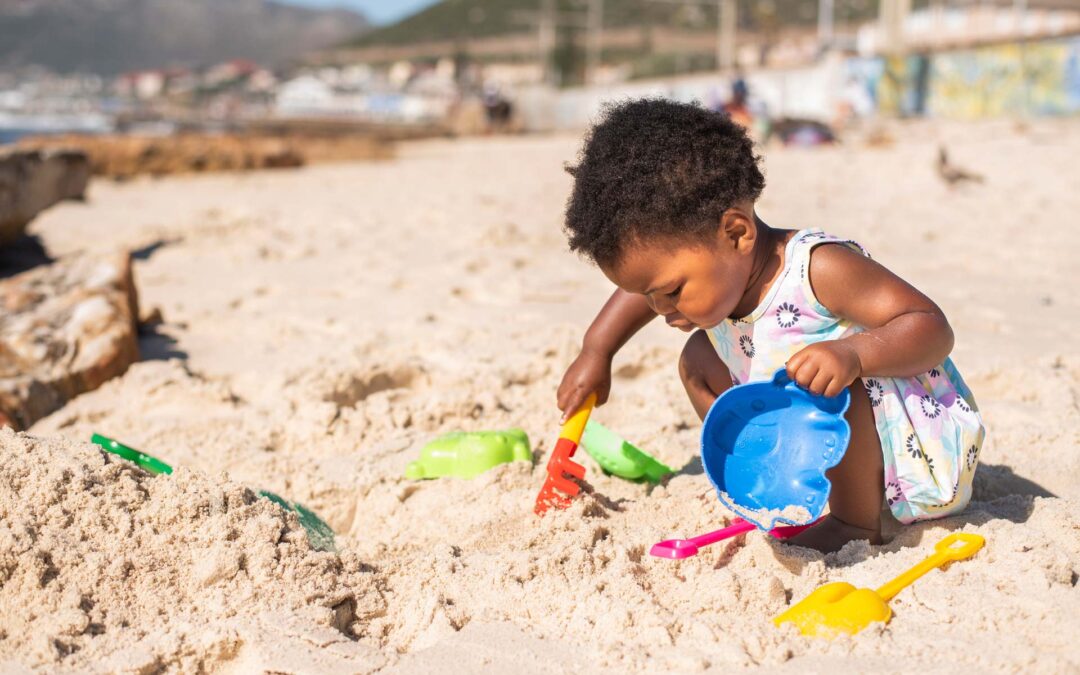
(563, 396)
(602, 394)
(821, 382)
(834, 388)
(804, 374)
(794, 363)
(573, 402)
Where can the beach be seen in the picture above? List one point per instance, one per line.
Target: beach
(320, 324)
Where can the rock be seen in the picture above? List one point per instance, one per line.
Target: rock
(33, 180)
(123, 157)
(153, 317)
(65, 328)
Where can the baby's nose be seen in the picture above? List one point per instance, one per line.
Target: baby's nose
(664, 307)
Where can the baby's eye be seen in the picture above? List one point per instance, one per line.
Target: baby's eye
(675, 293)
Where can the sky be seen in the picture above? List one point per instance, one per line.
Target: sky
(378, 11)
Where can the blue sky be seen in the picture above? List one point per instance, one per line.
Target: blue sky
(379, 11)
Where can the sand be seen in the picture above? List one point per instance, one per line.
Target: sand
(792, 514)
(320, 325)
(104, 566)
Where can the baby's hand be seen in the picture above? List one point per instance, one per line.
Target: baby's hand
(826, 367)
(590, 371)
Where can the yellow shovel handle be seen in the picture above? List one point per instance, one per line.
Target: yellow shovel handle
(575, 426)
(956, 546)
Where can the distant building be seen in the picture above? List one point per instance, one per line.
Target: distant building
(940, 27)
(305, 94)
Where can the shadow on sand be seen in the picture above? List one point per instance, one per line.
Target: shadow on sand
(998, 493)
(23, 254)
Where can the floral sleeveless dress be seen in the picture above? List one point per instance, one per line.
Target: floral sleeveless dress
(929, 425)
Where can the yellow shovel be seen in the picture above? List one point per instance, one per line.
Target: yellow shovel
(839, 607)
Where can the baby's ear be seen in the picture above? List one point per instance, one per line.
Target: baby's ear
(735, 229)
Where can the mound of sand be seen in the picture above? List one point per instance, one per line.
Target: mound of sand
(103, 565)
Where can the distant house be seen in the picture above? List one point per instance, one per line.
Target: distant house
(143, 84)
(303, 95)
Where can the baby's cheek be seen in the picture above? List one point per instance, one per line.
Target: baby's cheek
(721, 302)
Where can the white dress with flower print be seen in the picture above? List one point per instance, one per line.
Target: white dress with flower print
(929, 425)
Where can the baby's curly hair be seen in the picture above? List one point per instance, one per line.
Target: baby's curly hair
(657, 168)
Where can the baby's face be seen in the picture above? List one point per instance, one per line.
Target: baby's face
(690, 285)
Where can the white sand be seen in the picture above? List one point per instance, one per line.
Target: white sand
(792, 513)
(105, 566)
(336, 318)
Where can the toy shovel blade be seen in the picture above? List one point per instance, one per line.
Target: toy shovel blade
(839, 607)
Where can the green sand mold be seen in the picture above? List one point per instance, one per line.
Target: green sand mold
(467, 454)
(619, 457)
(320, 535)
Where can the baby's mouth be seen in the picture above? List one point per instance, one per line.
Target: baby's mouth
(680, 322)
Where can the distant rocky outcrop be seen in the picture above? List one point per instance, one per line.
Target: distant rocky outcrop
(113, 36)
(122, 157)
(33, 180)
(65, 328)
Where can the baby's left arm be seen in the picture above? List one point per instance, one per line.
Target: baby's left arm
(907, 334)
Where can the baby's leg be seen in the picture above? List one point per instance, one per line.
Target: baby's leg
(857, 485)
(703, 373)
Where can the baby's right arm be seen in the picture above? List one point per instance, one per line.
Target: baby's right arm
(623, 315)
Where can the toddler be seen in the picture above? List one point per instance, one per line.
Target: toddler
(663, 202)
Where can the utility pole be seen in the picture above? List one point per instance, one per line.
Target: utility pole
(1020, 8)
(727, 18)
(595, 23)
(825, 22)
(547, 21)
(891, 19)
(546, 29)
(727, 14)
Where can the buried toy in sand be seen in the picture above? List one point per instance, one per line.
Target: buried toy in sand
(320, 535)
(619, 457)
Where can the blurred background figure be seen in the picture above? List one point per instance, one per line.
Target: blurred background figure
(499, 110)
(737, 107)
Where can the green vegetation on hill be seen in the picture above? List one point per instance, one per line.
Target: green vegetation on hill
(452, 20)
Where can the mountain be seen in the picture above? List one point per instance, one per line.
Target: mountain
(112, 36)
(462, 19)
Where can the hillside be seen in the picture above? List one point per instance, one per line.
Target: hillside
(111, 36)
(462, 19)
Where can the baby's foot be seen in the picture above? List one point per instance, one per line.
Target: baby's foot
(831, 534)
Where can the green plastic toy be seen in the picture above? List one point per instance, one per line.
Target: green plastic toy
(319, 533)
(467, 454)
(619, 457)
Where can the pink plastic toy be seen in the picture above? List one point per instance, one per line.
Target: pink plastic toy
(677, 549)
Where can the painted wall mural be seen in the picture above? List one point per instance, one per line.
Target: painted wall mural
(1039, 78)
